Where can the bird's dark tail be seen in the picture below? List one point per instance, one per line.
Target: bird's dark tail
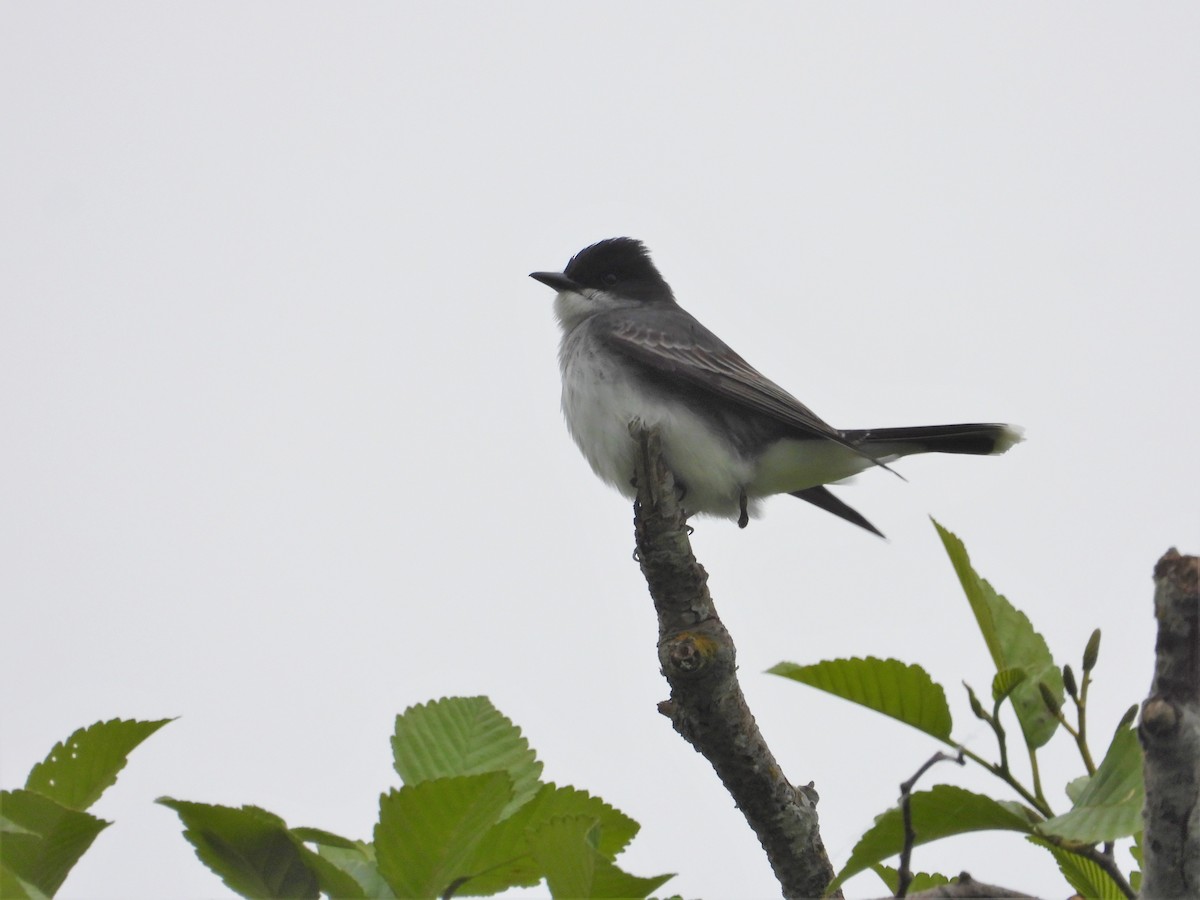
(891, 443)
(975, 439)
(822, 499)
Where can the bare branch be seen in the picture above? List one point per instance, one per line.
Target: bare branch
(706, 704)
(904, 875)
(1170, 735)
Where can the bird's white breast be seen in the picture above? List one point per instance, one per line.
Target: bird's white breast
(599, 401)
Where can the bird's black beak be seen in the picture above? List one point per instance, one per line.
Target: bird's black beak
(556, 280)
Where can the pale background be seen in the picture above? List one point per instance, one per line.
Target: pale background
(281, 447)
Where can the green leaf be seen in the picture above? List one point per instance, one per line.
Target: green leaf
(565, 850)
(1013, 643)
(904, 692)
(77, 770)
(1085, 876)
(551, 802)
(1135, 877)
(40, 841)
(1006, 682)
(922, 881)
(1110, 804)
(427, 832)
(14, 888)
(333, 880)
(255, 854)
(1074, 788)
(503, 859)
(359, 863)
(463, 736)
(941, 812)
(325, 838)
(339, 880)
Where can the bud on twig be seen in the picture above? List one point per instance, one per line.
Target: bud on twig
(1049, 699)
(976, 706)
(1069, 682)
(1091, 651)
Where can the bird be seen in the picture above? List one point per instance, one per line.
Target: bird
(730, 436)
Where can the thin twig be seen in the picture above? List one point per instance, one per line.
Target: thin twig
(1001, 736)
(905, 874)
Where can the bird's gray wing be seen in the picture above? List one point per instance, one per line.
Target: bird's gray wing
(675, 345)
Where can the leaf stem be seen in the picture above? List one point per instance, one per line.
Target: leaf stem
(1003, 773)
(1081, 735)
(1037, 778)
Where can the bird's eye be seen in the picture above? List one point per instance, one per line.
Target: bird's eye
(610, 279)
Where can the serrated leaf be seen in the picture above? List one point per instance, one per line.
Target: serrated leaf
(41, 840)
(552, 801)
(1085, 876)
(1110, 804)
(1006, 682)
(427, 832)
(255, 854)
(561, 849)
(503, 859)
(463, 736)
(565, 850)
(904, 692)
(77, 770)
(1013, 643)
(940, 812)
(921, 881)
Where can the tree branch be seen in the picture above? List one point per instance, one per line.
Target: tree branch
(1170, 735)
(966, 888)
(904, 875)
(706, 704)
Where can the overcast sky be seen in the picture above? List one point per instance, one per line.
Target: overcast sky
(282, 449)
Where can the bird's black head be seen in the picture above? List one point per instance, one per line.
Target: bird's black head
(619, 266)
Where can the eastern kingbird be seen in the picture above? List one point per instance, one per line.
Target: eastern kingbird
(730, 436)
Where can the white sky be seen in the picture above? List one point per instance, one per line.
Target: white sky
(282, 452)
